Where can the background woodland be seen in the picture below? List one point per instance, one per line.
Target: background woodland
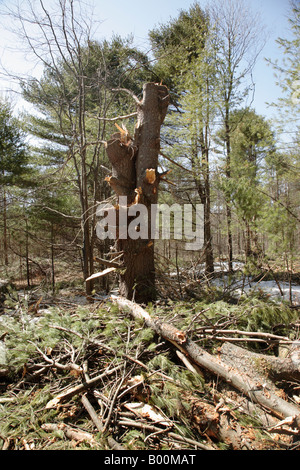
(217, 149)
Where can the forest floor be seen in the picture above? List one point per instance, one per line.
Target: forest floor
(209, 366)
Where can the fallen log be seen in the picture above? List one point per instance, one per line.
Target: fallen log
(241, 403)
(272, 367)
(253, 389)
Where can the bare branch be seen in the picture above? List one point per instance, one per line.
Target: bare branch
(129, 93)
(126, 116)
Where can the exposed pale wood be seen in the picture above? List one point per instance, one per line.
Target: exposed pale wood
(101, 273)
(192, 367)
(289, 426)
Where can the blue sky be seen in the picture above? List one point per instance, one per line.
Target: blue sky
(137, 17)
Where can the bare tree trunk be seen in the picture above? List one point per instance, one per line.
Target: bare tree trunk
(27, 253)
(209, 256)
(239, 34)
(5, 244)
(203, 188)
(134, 175)
(228, 176)
(52, 259)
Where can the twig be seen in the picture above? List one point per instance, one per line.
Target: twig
(157, 433)
(129, 93)
(70, 433)
(127, 390)
(114, 400)
(114, 445)
(126, 116)
(195, 318)
(267, 337)
(6, 400)
(175, 163)
(53, 363)
(80, 388)
(154, 429)
(111, 264)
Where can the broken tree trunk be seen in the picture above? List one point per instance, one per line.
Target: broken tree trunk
(252, 388)
(134, 176)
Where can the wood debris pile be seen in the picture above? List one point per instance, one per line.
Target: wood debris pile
(136, 382)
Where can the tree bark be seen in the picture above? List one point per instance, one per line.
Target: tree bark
(134, 175)
(203, 188)
(267, 366)
(228, 176)
(5, 244)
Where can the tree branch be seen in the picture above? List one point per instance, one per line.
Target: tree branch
(126, 116)
(138, 102)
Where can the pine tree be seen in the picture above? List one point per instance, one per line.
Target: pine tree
(73, 98)
(13, 164)
(252, 146)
